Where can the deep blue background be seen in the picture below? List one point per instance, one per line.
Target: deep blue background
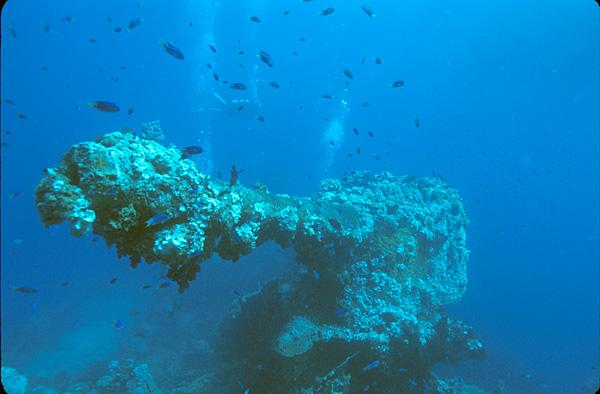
(506, 93)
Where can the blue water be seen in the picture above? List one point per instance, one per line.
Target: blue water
(506, 94)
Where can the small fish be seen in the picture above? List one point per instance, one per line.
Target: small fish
(13, 32)
(295, 53)
(327, 11)
(255, 19)
(237, 86)
(157, 219)
(241, 53)
(241, 107)
(286, 12)
(260, 118)
(355, 130)
(340, 312)
(417, 123)
(67, 19)
(377, 60)
(363, 61)
(334, 223)
(64, 284)
(413, 384)
(212, 48)
(118, 29)
(326, 96)
(104, 106)
(358, 151)
(21, 116)
(164, 285)
(274, 84)
(398, 84)
(331, 142)
(365, 104)
(265, 57)
(119, 323)
(47, 27)
(14, 195)
(113, 280)
(216, 76)
(134, 23)
(172, 50)
(130, 111)
(348, 73)
(190, 150)
(367, 10)
(93, 40)
(402, 370)
(233, 176)
(372, 365)
(316, 275)
(302, 39)
(9, 102)
(146, 287)
(24, 290)
(371, 134)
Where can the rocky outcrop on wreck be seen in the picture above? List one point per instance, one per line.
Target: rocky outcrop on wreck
(382, 257)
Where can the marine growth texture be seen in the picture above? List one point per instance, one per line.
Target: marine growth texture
(382, 254)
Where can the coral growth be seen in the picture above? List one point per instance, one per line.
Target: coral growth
(383, 255)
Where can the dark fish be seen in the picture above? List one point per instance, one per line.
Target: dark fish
(130, 111)
(260, 118)
(47, 27)
(363, 61)
(334, 223)
(241, 52)
(134, 23)
(104, 106)
(113, 280)
(157, 219)
(326, 96)
(14, 194)
(9, 101)
(417, 123)
(255, 19)
(21, 116)
(146, 287)
(44, 68)
(24, 290)
(274, 84)
(64, 284)
(302, 39)
(67, 19)
(237, 86)
(295, 53)
(164, 285)
(190, 150)
(172, 50)
(331, 142)
(265, 57)
(108, 19)
(241, 107)
(398, 84)
(93, 40)
(118, 29)
(13, 32)
(368, 11)
(212, 48)
(377, 157)
(370, 134)
(348, 73)
(240, 65)
(233, 177)
(355, 130)
(286, 12)
(216, 76)
(365, 104)
(377, 60)
(210, 67)
(327, 11)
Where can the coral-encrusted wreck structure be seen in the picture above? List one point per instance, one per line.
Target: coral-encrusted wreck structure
(383, 256)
